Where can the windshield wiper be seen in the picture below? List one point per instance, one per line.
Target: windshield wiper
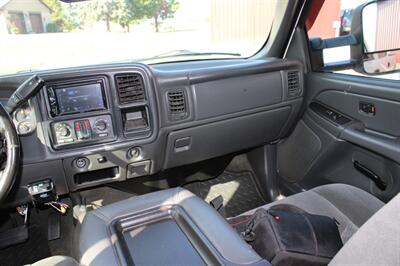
(184, 53)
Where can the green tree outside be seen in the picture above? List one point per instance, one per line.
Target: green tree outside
(159, 10)
(128, 12)
(68, 17)
(61, 19)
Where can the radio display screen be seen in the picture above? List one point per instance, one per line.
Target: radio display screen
(80, 98)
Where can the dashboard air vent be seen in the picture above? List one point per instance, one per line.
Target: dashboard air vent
(130, 88)
(177, 104)
(293, 84)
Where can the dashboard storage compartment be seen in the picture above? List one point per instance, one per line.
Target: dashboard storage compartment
(103, 174)
(232, 95)
(135, 119)
(223, 137)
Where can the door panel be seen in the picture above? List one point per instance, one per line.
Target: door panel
(330, 152)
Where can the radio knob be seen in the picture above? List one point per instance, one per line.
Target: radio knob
(101, 125)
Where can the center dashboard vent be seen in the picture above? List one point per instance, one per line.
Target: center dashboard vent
(293, 83)
(177, 105)
(130, 88)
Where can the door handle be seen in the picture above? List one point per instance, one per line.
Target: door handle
(370, 174)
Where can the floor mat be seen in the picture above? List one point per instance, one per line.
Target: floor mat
(34, 249)
(97, 197)
(239, 191)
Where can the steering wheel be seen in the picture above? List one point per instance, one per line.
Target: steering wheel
(9, 153)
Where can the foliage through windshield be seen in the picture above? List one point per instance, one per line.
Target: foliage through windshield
(48, 34)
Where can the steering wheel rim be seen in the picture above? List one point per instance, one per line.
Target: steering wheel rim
(10, 136)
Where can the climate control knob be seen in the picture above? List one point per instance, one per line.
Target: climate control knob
(63, 130)
(100, 125)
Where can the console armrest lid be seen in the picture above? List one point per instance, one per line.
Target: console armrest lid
(97, 242)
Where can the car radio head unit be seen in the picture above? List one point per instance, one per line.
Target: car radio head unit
(79, 97)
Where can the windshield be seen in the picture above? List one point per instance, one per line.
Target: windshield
(49, 34)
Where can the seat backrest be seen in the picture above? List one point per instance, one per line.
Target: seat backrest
(377, 242)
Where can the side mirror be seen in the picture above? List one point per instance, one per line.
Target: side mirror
(376, 25)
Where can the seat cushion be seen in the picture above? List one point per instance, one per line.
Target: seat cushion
(349, 205)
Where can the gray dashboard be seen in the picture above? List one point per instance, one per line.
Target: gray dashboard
(192, 111)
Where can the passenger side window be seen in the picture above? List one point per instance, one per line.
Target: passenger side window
(334, 20)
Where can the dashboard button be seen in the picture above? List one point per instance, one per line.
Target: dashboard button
(134, 152)
(102, 159)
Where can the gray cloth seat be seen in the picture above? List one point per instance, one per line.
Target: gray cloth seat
(349, 205)
(377, 242)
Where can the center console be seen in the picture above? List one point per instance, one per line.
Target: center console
(169, 227)
(113, 108)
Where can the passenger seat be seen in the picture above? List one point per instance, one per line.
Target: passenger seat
(377, 242)
(349, 205)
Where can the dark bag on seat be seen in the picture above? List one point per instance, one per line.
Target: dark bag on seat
(286, 235)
